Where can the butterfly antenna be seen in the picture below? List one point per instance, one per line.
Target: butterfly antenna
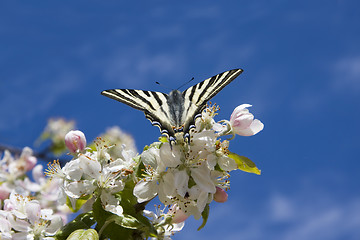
(164, 86)
(185, 83)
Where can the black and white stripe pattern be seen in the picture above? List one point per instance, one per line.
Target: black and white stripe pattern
(174, 112)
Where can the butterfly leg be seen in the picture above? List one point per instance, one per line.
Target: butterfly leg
(171, 141)
(187, 138)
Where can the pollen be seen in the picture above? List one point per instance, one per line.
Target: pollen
(54, 168)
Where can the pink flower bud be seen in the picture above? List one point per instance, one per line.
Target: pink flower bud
(220, 195)
(4, 192)
(28, 158)
(75, 140)
(243, 122)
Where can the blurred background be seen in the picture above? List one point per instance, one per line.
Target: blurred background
(301, 62)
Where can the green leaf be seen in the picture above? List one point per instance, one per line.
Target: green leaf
(245, 164)
(127, 221)
(109, 229)
(82, 221)
(89, 234)
(132, 207)
(139, 169)
(205, 216)
(163, 139)
(78, 204)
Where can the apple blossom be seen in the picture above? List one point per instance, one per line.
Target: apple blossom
(163, 222)
(75, 141)
(113, 184)
(243, 122)
(27, 219)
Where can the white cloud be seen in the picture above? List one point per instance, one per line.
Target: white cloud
(332, 221)
(340, 79)
(281, 208)
(31, 96)
(307, 213)
(347, 75)
(134, 66)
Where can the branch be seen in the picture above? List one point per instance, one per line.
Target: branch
(43, 155)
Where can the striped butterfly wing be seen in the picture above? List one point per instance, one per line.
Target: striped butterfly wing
(197, 96)
(177, 111)
(153, 104)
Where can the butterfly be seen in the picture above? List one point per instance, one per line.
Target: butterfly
(174, 113)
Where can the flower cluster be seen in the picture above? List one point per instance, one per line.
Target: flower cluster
(166, 223)
(24, 218)
(29, 206)
(192, 175)
(92, 174)
(111, 184)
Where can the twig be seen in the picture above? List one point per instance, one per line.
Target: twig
(43, 155)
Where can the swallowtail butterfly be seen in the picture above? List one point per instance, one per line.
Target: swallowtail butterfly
(174, 113)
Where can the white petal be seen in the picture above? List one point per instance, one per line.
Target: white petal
(194, 192)
(90, 167)
(211, 161)
(72, 170)
(255, 127)
(77, 189)
(149, 214)
(201, 176)
(167, 188)
(23, 236)
(33, 211)
(145, 190)
(181, 182)
(55, 224)
(169, 157)
(38, 174)
(4, 225)
(227, 164)
(167, 183)
(151, 157)
(202, 201)
(19, 224)
(218, 127)
(111, 203)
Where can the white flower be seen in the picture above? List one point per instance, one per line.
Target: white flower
(117, 137)
(158, 179)
(57, 128)
(93, 174)
(5, 226)
(160, 220)
(14, 168)
(27, 218)
(243, 123)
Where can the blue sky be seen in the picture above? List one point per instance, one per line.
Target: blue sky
(301, 62)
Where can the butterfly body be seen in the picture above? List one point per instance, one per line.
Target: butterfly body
(174, 113)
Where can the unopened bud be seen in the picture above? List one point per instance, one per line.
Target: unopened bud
(220, 195)
(75, 140)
